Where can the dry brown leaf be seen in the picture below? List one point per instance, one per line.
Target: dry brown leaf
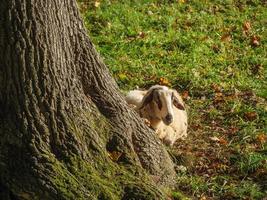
(255, 41)
(164, 81)
(246, 26)
(226, 37)
(114, 155)
(261, 138)
(223, 141)
(185, 95)
(250, 116)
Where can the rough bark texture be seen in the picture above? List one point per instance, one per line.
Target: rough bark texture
(66, 131)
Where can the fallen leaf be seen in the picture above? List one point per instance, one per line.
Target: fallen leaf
(255, 41)
(250, 116)
(226, 37)
(185, 95)
(223, 141)
(261, 138)
(164, 81)
(114, 155)
(246, 27)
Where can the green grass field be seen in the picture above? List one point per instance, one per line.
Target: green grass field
(214, 53)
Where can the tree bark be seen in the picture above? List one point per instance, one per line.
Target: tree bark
(66, 130)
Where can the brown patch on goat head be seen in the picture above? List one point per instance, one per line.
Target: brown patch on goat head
(153, 95)
(177, 103)
(147, 98)
(157, 99)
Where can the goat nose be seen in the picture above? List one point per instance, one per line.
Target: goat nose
(169, 118)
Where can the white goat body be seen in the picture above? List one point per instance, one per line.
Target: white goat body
(134, 97)
(176, 130)
(164, 109)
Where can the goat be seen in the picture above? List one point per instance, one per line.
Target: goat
(164, 109)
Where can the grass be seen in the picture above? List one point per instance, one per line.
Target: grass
(214, 54)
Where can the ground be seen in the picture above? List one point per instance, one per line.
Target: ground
(214, 54)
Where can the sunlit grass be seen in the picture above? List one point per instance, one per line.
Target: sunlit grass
(216, 52)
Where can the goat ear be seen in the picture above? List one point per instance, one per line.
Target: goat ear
(157, 99)
(177, 103)
(147, 98)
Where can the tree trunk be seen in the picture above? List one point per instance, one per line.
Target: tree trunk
(66, 131)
